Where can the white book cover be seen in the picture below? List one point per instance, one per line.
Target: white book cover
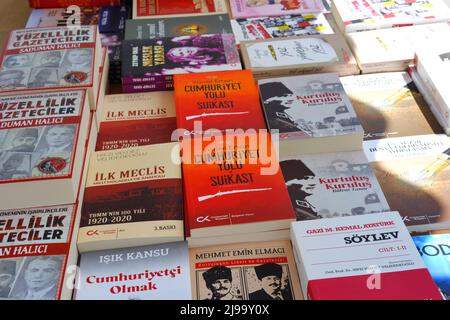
(361, 15)
(362, 257)
(332, 185)
(159, 272)
(308, 106)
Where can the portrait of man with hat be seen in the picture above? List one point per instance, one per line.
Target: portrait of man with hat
(219, 281)
(10, 168)
(25, 140)
(270, 276)
(7, 275)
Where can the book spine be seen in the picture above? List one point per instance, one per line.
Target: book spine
(41, 4)
(147, 87)
(132, 80)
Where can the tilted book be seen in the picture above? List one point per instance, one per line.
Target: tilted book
(165, 8)
(389, 105)
(230, 187)
(162, 58)
(133, 197)
(393, 49)
(132, 120)
(299, 55)
(280, 26)
(434, 250)
(310, 114)
(431, 65)
(332, 185)
(362, 15)
(246, 271)
(217, 100)
(255, 8)
(62, 17)
(157, 272)
(67, 3)
(42, 147)
(49, 59)
(369, 257)
(156, 27)
(413, 173)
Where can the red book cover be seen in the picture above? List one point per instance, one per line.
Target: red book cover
(163, 7)
(66, 3)
(230, 186)
(218, 100)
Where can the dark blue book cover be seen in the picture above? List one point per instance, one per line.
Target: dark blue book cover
(112, 19)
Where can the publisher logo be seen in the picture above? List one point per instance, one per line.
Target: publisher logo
(52, 165)
(76, 77)
(203, 219)
(92, 233)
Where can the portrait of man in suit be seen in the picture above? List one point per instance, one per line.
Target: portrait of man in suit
(7, 275)
(58, 139)
(270, 276)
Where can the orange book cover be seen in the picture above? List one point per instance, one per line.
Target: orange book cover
(218, 100)
(234, 181)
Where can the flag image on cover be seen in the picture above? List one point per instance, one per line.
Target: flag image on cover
(166, 8)
(42, 145)
(230, 187)
(298, 55)
(49, 59)
(362, 15)
(157, 272)
(331, 185)
(131, 120)
(368, 257)
(245, 271)
(221, 101)
(281, 26)
(389, 105)
(35, 244)
(257, 8)
(434, 250)
(414, 173)
(133, 196)
(312, 114)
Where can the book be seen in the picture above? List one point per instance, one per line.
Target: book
(133, 197)
(413, 173)
(45, 59)
(147, 87)
(298, 55)
(156, 27)
(62, 17)
(67, 3)
(363, 15)
(389, 105)
(310, 114)
(280, 26)
(430, 65)
(332, 185)
(42, 144)
(112, 19)
(389, 50)
(230, 186)
(164, 57)
(256, 8)
(132, 120)
(368, 257)
(157, 272)
(434, 250)
(246, 271)
(149, 8)
(217, 101)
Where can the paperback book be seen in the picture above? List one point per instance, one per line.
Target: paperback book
(62, 17)
(413, 173)
(157, 272)
(245, 271)
(332, 185)
(67, 3)
(299, 55)
(258, 8)
(368, 257)
(310, 114)
(133, 197)
(389, 105)
(165, 8)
